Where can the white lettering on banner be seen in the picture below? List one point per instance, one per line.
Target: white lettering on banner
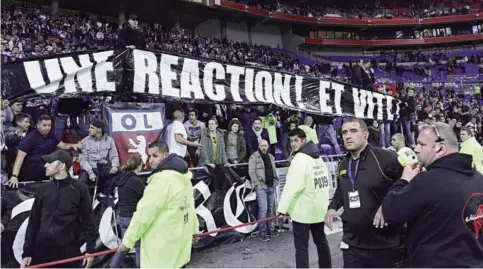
(75, 74)
(34, 75)
(359, 102)
(263, 84)
(145, 65)
(281, 89)
(168, 75)
(101, 69)
(390, 115)
(324, 97)
(232, 219)
(370, 104)
(339, 89)
(379, 97)
(298, 92)
(236, 72)
(216, 93)
(204, 212)
(82, 72)
(190, 80)
(249, 75)
(363, 99)
(53, 73)
(136, 121)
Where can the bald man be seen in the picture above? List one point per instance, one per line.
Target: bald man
(261, 168)
(176, 136)
(405, 155)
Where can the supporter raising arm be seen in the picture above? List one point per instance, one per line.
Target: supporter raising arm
(35, 144)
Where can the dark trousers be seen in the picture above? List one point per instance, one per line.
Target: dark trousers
(104, 178)
(371, 258)
(301, 240)
(45, 254)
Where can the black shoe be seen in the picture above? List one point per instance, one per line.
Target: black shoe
(264, 237)
(273, 233)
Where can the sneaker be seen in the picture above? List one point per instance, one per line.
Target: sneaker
(273, 233)
(264, 237)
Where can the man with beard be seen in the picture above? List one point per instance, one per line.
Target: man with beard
(263, 174)
(305, 198)
(165, 219)
(441, 200)
(35, 144)
(61, 210)
(365, 176)
(255, 135)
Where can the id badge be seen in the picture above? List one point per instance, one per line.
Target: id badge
(354, 200)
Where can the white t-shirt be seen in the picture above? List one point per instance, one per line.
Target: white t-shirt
(174, 128)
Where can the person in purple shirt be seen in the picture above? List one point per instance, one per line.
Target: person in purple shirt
(28, 165)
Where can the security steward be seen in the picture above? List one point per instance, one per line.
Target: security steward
(365, 177)
(441, 200)
(61, 210)
(305, 198)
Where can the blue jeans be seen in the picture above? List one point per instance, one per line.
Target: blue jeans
(329, 131)
(266, 203)
(385, 140)
(406, 129)
(118, 258)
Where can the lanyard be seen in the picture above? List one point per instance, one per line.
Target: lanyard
(353, 178)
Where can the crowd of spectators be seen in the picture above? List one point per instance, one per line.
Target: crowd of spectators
(360, 9)
(30, 32)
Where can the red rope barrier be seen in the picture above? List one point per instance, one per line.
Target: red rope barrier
(78, 258)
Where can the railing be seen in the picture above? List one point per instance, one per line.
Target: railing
(325, 157)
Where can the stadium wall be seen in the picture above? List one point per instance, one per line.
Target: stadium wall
(261, 34)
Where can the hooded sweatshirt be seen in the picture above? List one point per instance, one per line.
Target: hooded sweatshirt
(305, 196)
(130, 189)
(473, 148)
(165, 219)
(443, 209)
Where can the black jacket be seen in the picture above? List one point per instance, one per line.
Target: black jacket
(378, 170)
(443, 209)
(6, 207)
(130, 36)
(61, 210)
(130, 190)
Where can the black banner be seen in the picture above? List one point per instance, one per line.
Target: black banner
(222, 199)
(169, 76)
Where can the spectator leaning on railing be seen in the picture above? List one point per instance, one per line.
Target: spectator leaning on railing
(28, 165)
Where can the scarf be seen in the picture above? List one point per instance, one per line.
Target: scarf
(258, 133)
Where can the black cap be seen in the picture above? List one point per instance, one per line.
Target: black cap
(98, 124)
(59, 155)
(133, 17)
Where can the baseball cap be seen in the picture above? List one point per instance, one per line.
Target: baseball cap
(58, 155)
(133, 17)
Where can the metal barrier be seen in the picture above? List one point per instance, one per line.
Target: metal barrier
(327, 158)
